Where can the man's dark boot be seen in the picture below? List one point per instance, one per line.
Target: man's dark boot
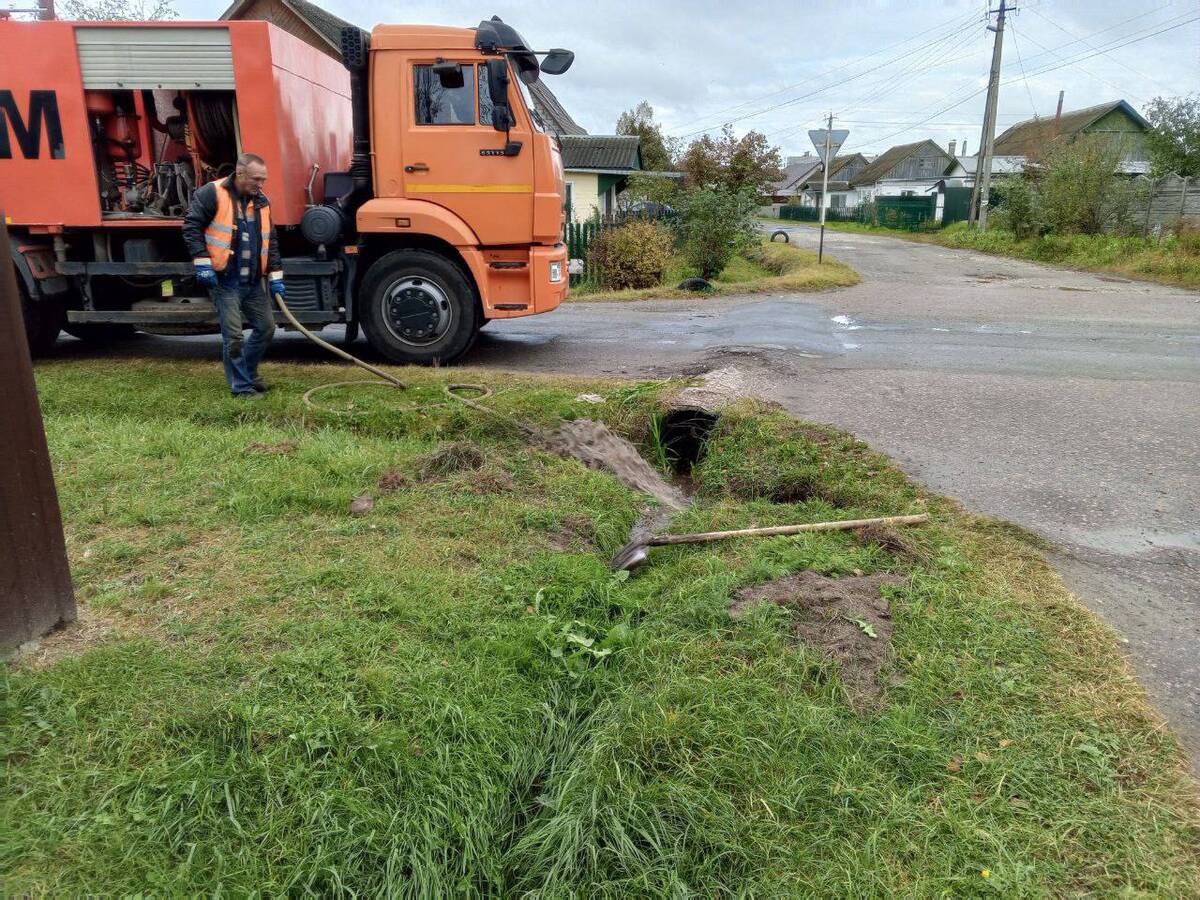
(247, 395)
(261, 386)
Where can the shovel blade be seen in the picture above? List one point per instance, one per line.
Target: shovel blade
(630, 557)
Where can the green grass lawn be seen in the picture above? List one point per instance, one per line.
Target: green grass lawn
(764, 269)
(1169, 259)
(452, 695)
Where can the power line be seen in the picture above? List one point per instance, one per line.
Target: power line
(1111, 84)
(1066, 31)
(1043, 71)
(1053, 51)
(957, 23)
(934, 61)
(953, 27)
(1024, 76)
(893, 84)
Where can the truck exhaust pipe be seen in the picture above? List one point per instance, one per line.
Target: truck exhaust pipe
(356, 45)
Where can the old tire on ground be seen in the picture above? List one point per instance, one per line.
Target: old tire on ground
(416, 306)
(779, 232)
(43, 320)
(99, 333)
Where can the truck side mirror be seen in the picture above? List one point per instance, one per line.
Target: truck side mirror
(450, 74)
(557, 61)
(497, 74)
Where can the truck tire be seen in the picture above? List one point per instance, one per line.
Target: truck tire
(99, 334)
(418, 307)
(43, 320)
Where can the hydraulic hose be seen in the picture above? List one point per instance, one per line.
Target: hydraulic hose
(452, 390)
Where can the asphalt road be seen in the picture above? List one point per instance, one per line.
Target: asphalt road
(1066, 402)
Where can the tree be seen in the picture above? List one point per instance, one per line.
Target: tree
(1078, 188)
(1174, 137)
(716, 224)
(656, 149)
(748, 162)
(119, 10)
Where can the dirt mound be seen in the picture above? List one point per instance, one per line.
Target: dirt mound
(888, 538)
(847, 619)
(392, 480)
(593, 444)
(460, 456)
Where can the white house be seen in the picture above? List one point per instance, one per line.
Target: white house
(596, 167)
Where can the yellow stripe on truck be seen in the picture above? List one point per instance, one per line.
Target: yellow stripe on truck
(417, 188)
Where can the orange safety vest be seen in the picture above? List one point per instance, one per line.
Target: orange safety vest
(218, 236)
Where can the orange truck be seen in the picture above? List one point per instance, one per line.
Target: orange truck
(413, 189)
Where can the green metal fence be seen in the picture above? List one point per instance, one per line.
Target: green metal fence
(958, 205)
(800, 213)
(578, 236)
(911, 213)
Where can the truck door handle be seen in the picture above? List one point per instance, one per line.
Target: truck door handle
(416, 167)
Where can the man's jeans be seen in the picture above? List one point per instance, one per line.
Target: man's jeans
(241, 307)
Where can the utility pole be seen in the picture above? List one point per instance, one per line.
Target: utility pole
(35, 580)
(824, 186)
(983, 172)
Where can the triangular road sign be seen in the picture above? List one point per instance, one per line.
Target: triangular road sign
(837, 137)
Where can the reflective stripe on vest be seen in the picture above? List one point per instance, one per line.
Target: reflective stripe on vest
(218, 236)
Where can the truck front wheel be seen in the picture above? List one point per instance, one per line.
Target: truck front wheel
(417, 307)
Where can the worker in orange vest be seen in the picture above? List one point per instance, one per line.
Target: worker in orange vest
(228, 232)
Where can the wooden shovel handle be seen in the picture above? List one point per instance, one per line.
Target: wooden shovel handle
(663, 540)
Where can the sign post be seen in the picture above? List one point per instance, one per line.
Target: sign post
(35, 579)
(827, 143)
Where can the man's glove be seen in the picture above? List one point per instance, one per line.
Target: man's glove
(204, 272)
(277, 288)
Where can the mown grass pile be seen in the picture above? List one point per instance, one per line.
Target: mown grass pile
(453, 695)
(765, 268)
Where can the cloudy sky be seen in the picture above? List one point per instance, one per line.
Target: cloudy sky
(891, 72)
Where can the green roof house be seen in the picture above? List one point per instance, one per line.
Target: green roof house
(1115, 121)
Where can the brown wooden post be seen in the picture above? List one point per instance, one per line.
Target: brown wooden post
(35, 579)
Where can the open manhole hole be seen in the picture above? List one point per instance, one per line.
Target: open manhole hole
(684, 433)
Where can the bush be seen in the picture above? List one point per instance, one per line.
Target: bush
(1079, 189)
(634, 255)
(716, 224)
(1187, 235)
(1016, 206)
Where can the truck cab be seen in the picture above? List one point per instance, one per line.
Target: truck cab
(461, 168)
(414, 193)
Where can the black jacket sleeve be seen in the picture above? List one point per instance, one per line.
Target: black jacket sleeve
(200, 212)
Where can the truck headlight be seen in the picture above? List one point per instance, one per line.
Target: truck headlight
(556, 270)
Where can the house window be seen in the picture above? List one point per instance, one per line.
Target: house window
(908, 193)
(569, 206)
(838, 201)
(436, 105)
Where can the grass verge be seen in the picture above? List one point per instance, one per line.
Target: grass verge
(1167, 260)
(452, 695)
(762, 269)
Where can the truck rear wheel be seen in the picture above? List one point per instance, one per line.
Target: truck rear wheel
(416, 306)
(43, 320)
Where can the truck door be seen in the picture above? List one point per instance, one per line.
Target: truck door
(449, 152)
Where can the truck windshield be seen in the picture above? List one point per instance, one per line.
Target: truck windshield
(485, 101)
(529, 105)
